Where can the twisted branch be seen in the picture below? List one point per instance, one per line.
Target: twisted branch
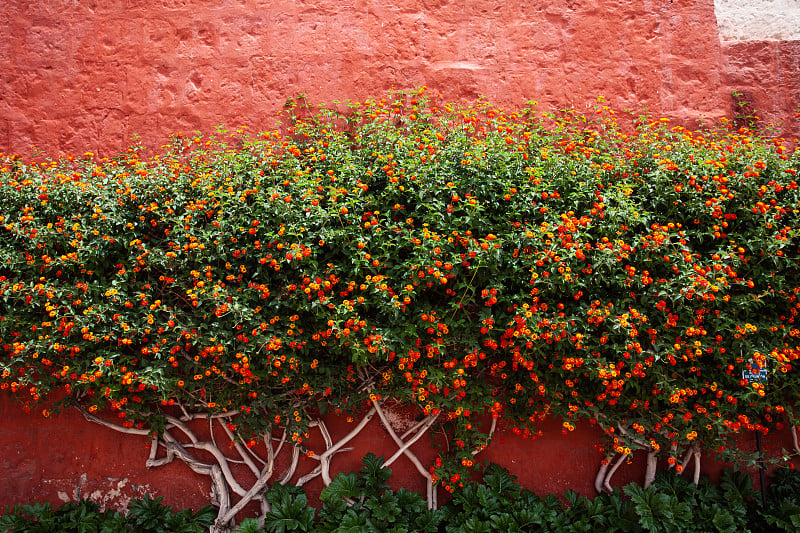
(326, 456)
(612, 471)
(254, 491)
(650, 471)
(692, 452)
(600, 478)
(218, 469)
(241, 450)
(292, 467)
(116, 427)
(492, 429)
(404, 449)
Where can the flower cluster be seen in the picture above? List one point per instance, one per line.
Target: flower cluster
(470, 261)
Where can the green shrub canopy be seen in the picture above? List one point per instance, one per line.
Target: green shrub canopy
(465, 260)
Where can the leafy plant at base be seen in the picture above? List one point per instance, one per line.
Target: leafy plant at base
(352, 502)
(290, 511)
(84, 516)
(497, 503)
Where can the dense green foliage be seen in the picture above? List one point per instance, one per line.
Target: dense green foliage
(672, 504)
(464, 260)
(144, 515)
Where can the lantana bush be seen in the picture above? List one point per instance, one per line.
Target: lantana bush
(483, 265)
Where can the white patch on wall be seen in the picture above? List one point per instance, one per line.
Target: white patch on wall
(758, 20)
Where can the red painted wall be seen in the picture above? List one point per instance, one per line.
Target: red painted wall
(767, 75)
(66, 457)
(87, 75)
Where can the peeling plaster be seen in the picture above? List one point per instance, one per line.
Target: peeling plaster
(109, 493)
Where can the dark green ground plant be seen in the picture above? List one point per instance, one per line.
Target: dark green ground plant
(672, 503)
(84, 516)
(783, 501)
(363, 501)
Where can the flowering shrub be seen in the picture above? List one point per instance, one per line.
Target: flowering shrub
(468, 261)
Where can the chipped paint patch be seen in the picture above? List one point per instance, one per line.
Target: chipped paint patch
(109, 493)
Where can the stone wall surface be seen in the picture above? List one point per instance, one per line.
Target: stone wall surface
(760, 42)
(748, 20)
(83, 75)
(764, 76)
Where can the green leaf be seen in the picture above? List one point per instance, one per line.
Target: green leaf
(344, 485)
(723, 520)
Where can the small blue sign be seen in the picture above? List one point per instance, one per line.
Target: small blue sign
(756, 374)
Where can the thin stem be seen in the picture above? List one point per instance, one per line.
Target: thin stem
(292, 467)
(308, 477)
(400, 443)
(612, 471)
(97, 420)
(673, 452)
(403, 449)
(240, 449)
(355, 431)
(687, 458)
(624, 432)
(413, 429)
(153, 448)
(174, 422)
(281, 443)
(325, 462)
(254, 491)
(492, 429)
(325, 457)
(222, 461)
(601, 473)
(794, 439)
(696, 466)
(650, 472)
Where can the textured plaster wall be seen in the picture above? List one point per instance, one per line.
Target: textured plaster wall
(78, 75)
(765, 77)
(760, 42)
(66, 457)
